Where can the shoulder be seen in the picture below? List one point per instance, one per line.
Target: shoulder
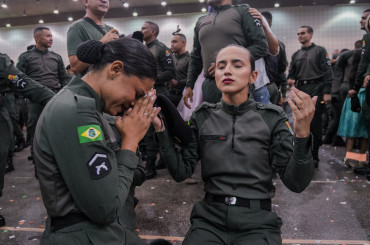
(24, 54)
(241, 7)
(320, 49)
(205, 107)
(271, 109)
(162, 46)
(55, 54)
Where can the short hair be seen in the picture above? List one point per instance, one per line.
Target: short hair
(39, 29)
(309, 28)
(267, 15)
(182, 36)
(366, 10)
(252, 60)
(358, 44)
(154, 26)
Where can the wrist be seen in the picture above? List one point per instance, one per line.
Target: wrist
(129, 145)
(302, 134)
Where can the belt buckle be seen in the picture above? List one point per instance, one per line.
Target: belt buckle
(230, 200)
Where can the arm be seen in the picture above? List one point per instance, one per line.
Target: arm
(62, 73)
(292, 71)
(18, 82)
(325, 64)
(167, 63)
(282, 65)
(255, 36)
(294, 162)
(364, 66)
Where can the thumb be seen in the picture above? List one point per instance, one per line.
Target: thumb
(314, 100)
(114, 31)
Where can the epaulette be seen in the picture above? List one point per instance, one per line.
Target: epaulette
(271, 107)
(246, 6)
(85, 104)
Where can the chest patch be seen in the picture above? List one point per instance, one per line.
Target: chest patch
(99, 166)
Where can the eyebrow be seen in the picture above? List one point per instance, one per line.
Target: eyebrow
(232, 61)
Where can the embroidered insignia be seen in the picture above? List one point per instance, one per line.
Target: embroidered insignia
(18, 82)
(169, 61)
(99, 166)
(168, 53)
(257, 22)
(289, 127)
(89, 133)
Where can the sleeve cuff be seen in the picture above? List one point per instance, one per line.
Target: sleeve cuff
(127, 158)
(302, 146)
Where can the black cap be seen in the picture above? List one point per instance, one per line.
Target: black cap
(178, 129)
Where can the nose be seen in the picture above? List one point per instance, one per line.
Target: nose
(227, 70)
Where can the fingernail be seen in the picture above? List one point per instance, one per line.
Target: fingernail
(152, 98)
(150, 93)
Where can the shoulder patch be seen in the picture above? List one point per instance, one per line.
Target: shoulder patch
(99, 166)
(89, 133)
(289, 127)
(17, 81)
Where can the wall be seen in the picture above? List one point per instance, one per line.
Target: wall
(335, 27)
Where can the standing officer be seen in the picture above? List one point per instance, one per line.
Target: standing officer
(310, 70)
(239, 141)
(45, 67)
(227, 24)
(182, 59)
(166, 71)
(90, 27)
(11, 79)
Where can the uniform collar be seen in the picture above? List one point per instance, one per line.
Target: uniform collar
(223, 7)
(82, 88)
(39, 51)
(237, 109)
(309, 47)
(152, 43)
(183, 55)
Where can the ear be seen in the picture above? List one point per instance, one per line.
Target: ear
(115, 68)
(253, 77)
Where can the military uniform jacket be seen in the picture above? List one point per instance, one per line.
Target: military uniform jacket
(45, 67)
(78, 170)
(364, 66)
(226, 25)
(237, 146)
(13, 79)
(182, 65)
(341, 71)
(165, 63)
(312, 63)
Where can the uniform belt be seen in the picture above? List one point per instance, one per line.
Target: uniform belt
(58, 223)
(304, 82)
(264, 204)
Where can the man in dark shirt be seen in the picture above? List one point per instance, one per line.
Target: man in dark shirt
(310, 70)
(166, 71)
(43, 66)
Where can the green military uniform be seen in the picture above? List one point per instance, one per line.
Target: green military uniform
(46, 68)
(84, 182)
(226, 25)
(11, 79)
(81, 31)
(362, 71)
(165, 72)
(182, 66)
(311, 68)
(238, 147)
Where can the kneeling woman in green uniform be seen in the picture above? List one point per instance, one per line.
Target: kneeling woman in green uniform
(84, 182)
(239, 142)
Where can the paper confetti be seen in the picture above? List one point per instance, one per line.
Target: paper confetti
(11, 237)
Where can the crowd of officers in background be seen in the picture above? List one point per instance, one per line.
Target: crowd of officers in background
(311, 70)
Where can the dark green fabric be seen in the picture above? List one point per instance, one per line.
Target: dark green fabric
(312, 63)
(45, 67)
(7, 140)
(364, 66)
(226, 25)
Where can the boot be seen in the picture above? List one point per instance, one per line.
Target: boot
(150, 168)
(10, 165)
(20, 145)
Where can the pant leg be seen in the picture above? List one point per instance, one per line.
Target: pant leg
(262, 95)
(34, 112)
(274, 93)
(6, 132)
(366, 111)
(12, 105)
(210, 91)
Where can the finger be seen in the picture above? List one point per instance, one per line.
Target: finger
(154, 113)
(294, 108)
(114, 30)
(314, 100)
(137, 105)
(147, 105)
(298, 101)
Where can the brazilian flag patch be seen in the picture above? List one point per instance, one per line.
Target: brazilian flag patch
(89, 133)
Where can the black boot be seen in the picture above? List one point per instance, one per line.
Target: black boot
(2, 220)
(20, 145)
(9, 163)
(150, 168)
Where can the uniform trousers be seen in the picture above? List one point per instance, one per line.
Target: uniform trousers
(7, 139)
(315, 89)
(214, 223)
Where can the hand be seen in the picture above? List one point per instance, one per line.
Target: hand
(351, 93)
(366, 81)
(256, 14)
(110, 36)
(211, 70)
(188, 95)
(135, 123)
(174, 82)
(158, 124)
(327, 98)
(291, 81)
(303, 112)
